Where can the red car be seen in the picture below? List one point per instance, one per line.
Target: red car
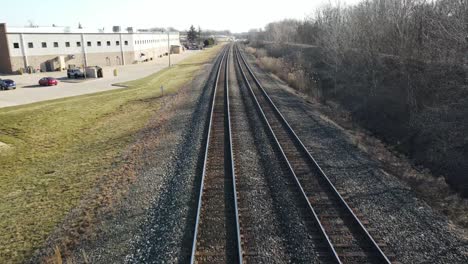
(48, 81)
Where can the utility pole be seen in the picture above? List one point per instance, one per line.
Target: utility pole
(199, 36)
(169, 48)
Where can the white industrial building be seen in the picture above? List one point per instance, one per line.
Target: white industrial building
(58, 48)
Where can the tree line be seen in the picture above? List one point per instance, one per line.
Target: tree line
(399, 66)
(422, 29)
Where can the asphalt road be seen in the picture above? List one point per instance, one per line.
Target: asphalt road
(28, 91)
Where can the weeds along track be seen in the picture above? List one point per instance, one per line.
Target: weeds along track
(345, 237)
(217, 236)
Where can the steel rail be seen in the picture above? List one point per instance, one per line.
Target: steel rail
(223, 59)
(200, 196)
(316, 218)
(381, 255)
(228, 123)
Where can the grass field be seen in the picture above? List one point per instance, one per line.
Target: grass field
(56, 151)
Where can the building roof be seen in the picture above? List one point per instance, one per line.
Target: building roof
(72, 30)
(51, 30)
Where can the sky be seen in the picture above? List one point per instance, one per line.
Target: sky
(236, 15)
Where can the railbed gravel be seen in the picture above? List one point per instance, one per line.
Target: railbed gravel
(167, 232)
(413, 231)
(154, 222)
(254, 192)
(277, 230)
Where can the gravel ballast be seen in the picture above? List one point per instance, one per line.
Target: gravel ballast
(167, 232)
(154, 223)
(272, 215)
(413, 232)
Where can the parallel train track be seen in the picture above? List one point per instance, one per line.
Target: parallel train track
(217, 236)
(346, 237)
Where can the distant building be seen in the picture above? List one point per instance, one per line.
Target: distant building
(223, 38)
(57, 48)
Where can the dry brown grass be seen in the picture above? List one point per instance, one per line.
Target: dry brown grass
(433, 190)
(430, 188)
(84, 223)
(61, 150)
(294, 76)
(250, 50)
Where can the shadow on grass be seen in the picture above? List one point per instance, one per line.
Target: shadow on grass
(190, 64)
(33, 86)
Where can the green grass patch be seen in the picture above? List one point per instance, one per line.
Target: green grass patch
(57, 150)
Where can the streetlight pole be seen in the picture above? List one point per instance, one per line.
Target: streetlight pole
(169, 48)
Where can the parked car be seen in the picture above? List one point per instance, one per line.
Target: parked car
(7, 84)
(75, 73)
(48, 81)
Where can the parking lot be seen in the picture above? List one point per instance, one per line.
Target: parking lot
(28, 90)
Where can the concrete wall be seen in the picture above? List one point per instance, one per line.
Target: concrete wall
(61, 39)
(38, 62)
(109, 58)
(94, 49)
(5, 65)
(153, 45)
(93, 59)
(148, 54)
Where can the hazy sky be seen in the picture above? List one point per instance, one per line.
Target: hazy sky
(208, 14)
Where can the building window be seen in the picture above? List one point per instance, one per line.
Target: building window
(30, 45)
(117, 43)
(89, 43)
(99, 43)
(44, 44)
(108, 43)
(55, 44)
(16, 45)
(126, 43)
(78, 44)
(67, 44)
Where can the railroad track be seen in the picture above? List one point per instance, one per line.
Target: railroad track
(346, 239)
(217, 232)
